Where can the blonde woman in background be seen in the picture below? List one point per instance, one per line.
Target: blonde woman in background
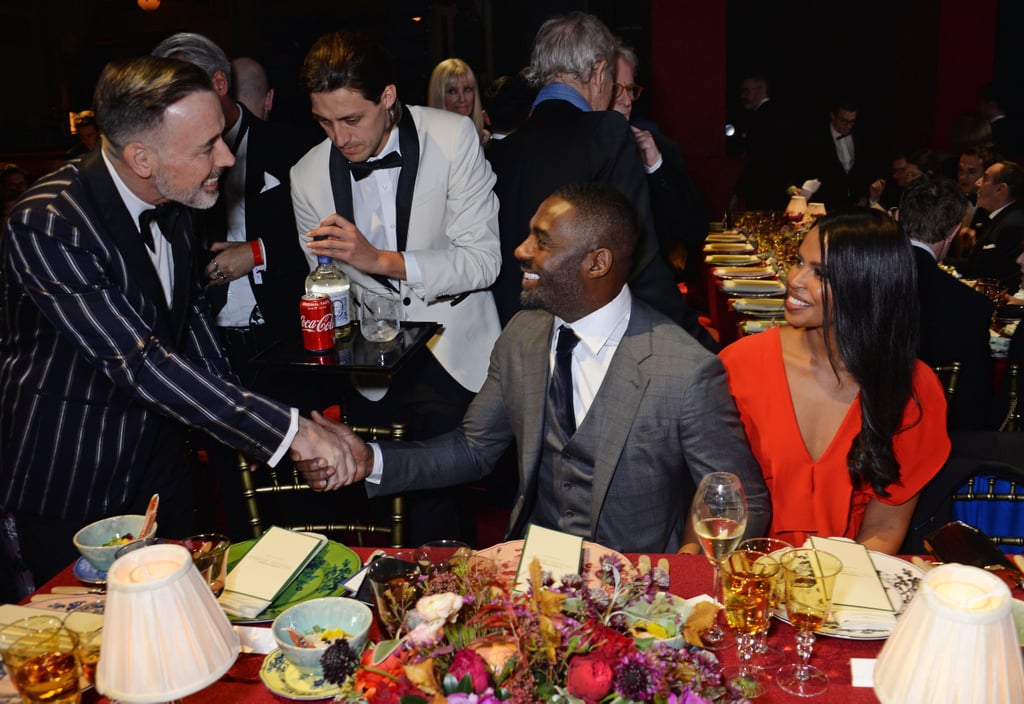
(453, 87)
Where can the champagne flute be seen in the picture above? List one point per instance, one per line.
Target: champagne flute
(719, 519)
(810, 584)
(764, 655)
(748, 579)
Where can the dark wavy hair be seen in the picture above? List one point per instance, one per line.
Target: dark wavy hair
(352, 60)
(871, 308)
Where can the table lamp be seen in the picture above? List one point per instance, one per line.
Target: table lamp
(166, 635)
(955, 643)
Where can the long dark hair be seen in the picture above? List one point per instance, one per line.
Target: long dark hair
(871, 308)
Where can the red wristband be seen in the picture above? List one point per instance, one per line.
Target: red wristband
(257, 253)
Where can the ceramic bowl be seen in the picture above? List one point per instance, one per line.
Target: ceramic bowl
(90, 540)
(316, 616)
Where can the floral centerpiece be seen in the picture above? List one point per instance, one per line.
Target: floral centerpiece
(470, 639)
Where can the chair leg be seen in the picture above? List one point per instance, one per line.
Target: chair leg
(249, 496)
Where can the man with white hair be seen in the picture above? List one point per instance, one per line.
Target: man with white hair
(571, 136)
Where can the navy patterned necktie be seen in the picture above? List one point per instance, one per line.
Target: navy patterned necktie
(165, 215)
(560, 388)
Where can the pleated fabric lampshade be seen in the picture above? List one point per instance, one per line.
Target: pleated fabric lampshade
(165, 635)
(956, 643)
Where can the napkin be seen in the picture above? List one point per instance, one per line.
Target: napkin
(860, 601)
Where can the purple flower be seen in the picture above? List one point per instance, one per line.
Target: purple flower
(636, 678)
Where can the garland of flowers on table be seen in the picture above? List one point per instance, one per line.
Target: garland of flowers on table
(472, 640)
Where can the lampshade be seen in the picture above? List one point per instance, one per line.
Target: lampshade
(955, 643)
(165, 634)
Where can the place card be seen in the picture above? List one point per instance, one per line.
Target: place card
(267, 569)
(558, 553)
(858, 586)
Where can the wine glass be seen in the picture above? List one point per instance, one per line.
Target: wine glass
(748, 578)
(810, 583)
(764, 655)
(719, 519)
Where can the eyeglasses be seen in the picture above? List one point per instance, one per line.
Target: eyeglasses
(633, 89)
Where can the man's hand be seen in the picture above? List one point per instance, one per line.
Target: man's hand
(340, 239)
(649, 153)
(875, 190)
(232, 260)
(347, 459)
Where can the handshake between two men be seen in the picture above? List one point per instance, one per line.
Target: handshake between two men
(329, 455)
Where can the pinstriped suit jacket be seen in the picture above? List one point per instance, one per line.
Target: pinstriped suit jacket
(92, 360)
(665, 417)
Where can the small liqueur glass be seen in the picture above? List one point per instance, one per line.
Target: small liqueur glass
(810, 584)
(748, 579)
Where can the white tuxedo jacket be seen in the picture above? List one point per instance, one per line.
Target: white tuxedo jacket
(452, 232)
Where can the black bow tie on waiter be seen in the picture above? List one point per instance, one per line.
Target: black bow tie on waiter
(165, 215)
(362, 169)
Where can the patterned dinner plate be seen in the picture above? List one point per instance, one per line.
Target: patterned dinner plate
(507, 556)
(901, 580)
(325, 575)
(285, 680)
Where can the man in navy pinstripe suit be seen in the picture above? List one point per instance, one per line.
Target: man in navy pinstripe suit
(107, 350)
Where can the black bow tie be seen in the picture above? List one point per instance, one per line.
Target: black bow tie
(362, 169)
(165, 215)
(844, 135)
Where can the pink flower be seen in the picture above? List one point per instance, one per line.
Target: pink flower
(427, 633)
(466, 662)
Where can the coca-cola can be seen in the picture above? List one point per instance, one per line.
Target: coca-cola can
(317, 319)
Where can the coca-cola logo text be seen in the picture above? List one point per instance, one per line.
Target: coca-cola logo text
(321, 325)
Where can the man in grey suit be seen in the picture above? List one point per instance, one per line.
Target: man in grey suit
(107, 349)
(650, 409)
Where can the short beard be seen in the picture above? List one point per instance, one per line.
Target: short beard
(198, 198)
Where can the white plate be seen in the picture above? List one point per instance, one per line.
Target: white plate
(85, 572)
(752, 327)
(755, 287)
(732, 259)
(729, 247)
(285, 680)
(731, 236)
(67, 602)
(743, 272)
(901, 580)
(759, 306)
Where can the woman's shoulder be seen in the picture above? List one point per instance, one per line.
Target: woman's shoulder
(751, 347)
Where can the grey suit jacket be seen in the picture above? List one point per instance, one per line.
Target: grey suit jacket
(666, 419)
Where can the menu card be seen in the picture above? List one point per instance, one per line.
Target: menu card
(558, 553)
(267, 569)
(859, 594)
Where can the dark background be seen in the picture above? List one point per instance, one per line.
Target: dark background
(897, 57)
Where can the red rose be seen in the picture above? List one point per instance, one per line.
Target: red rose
(590, 677)
(467, 662)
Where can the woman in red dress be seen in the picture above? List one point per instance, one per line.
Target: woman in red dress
(847, 424)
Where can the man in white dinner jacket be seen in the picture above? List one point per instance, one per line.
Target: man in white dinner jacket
(401, 197)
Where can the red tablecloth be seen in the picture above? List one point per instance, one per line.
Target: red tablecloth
(690, 575)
